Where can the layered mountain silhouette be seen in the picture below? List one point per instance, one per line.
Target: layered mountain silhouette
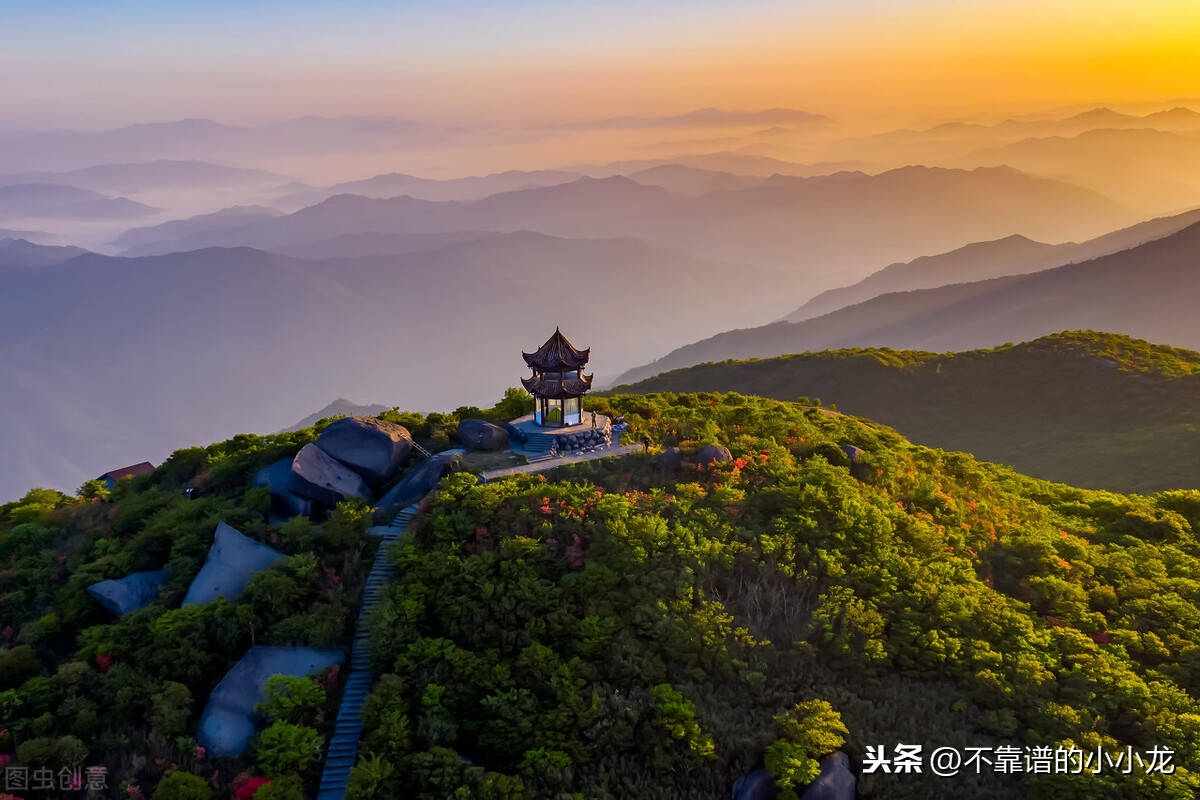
(149, 175)
(177, 235)
(1151, 170)
(23, 253)
(1150, 291)
(942, 143)
(705, 117)
(818, 231)
(108, 361)
(396, 184)
(1012, 255)
(215, 141)
(1092, 409)
(52, 201)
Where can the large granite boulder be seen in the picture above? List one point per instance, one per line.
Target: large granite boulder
(713, 452)
(836, 781)
(421, 479)
(756, 785)
(284, 502)
(373, 448)
(318, 476)
(229, 719)
(134, 591)
(479, 434)
(230, 562)
(670, 460)
(855, 454)
(515, 434)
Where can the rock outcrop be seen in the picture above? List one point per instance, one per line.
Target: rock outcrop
(515, 434)
(855, 454)
(479, 434)
(373, 448)
(134, 591)
(836, 781)
(420, 480)
(713, 452)
(228, 721)
(585, 439)
(230, 562)
(285, 504)
(318, 476)
(756, 785)
(670, 460)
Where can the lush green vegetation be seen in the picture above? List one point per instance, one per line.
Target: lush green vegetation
(624, 631)
(78, 688)
(1085, 408)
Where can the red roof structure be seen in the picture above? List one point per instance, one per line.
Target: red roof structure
(141, 468)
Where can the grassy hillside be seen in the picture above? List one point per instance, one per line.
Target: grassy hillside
(623, 629)
(618, 630)
(1085, 408)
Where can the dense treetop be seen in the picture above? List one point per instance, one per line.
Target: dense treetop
(623, 627)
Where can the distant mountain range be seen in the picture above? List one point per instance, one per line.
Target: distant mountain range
(148, 175)
(949, 140)
(110, 361)
(1012, 255)
(214, 141)
(23, 253)
(396, 184)
(176, 235)
(51, 201)
(739, 163)
(1152, 170)
(704, 117)
(1150, 291)
(1095, 410)
(818, 232)
(338, 408)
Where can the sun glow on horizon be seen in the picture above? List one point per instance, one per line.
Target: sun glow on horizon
(523, 63)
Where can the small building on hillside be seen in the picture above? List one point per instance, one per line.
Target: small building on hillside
(558, 383)
(111, 477)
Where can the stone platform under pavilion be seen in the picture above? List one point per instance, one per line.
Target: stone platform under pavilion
(529, 427)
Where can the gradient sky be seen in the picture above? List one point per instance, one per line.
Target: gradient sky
(93, 64)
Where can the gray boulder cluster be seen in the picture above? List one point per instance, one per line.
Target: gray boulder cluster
(421, 480)
(711, 453)
(351, 458)
(230, 562)
(227, 568)
(479, 434)
(586, 439)
(229, 719)
(132, 592)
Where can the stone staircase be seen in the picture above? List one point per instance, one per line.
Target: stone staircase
(539, 446)
(343, 747)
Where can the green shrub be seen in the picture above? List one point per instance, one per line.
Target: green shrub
(182, 786)
(285, 749)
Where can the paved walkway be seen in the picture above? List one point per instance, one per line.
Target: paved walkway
(343, 747)
(559, 461)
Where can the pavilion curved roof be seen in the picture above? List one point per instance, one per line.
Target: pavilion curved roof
(554, 388)
(557, 354)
